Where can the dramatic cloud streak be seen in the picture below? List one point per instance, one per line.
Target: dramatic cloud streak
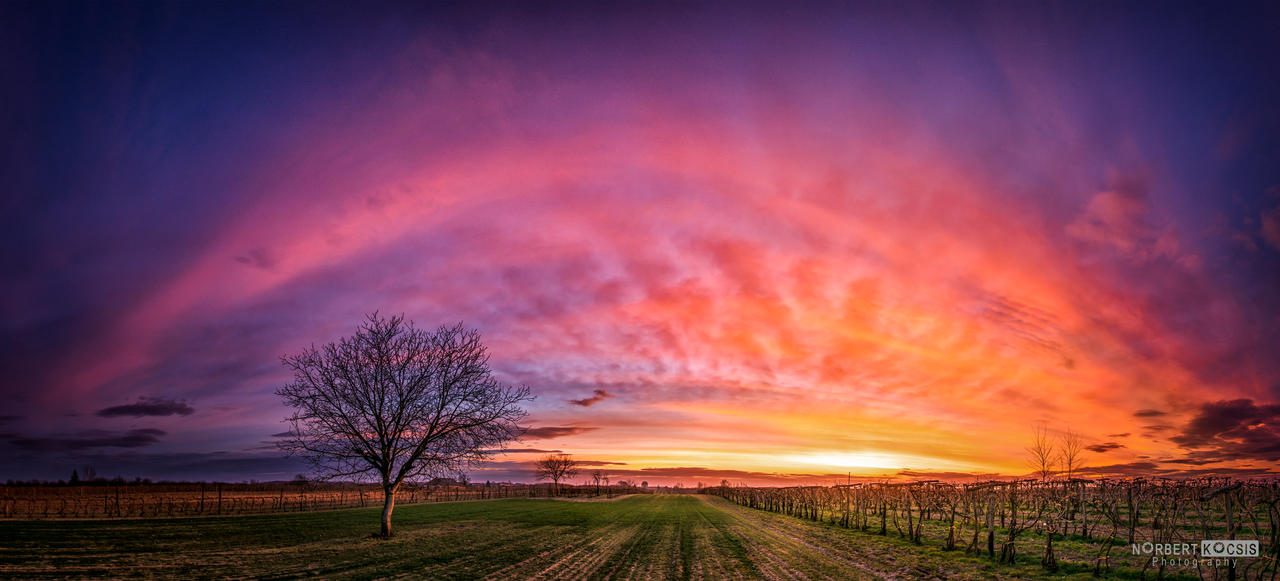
(1232, 430)
(90, 439)
(548, 432)
(149, 406)
(597, 396)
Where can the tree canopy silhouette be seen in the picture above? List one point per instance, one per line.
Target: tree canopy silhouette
(399, 403)
(556, 467)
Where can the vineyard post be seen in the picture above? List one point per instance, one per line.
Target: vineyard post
(219, 498)
(991, 524)
(1084, 512)
(863, 506)
(953, 503)
(1231, 534)
(884, 508)
(1133, 510)
(201, 511)
(971, 512)
(911, 527)
(848, 482)
(1008, 550)
(1050, 561)
(1231, 528)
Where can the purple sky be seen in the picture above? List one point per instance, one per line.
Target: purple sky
(749, 243)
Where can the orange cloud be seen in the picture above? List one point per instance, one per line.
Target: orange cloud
(817, 288)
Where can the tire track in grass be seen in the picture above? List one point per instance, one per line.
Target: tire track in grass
(583, 563)
(671, 565)
(655, 553)
(591, 548)
(396, 557)
(761, 560)
(643, 533)
(718, 557)
(595, 553)
(591, 567)
(479, 557)
(658, 562)
(557, 552)
(788, 556)
(798, 560)
(770, 565)
(837, 556)
(628, 563)
(791, 534)
(843, 549)
(763, 555)
(683, 547)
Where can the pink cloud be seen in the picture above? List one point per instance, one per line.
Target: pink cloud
(781, 261)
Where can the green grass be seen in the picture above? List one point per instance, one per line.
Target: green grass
(641, 537)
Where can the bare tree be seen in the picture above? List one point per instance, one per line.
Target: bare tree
(1071, 456)
(1041, 452)
(555, 468)
(399, 403)
(596, 477)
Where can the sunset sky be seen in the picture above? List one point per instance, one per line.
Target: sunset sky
(769, 245)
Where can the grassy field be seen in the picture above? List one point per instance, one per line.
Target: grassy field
(639, 537)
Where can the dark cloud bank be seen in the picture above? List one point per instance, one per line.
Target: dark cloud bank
(149, 406)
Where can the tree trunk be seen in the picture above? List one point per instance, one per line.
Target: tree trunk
(1049, 561)
(1231, 534)
(388, 504)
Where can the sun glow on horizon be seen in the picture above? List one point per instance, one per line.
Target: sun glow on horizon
(875, 460)
(851, 460)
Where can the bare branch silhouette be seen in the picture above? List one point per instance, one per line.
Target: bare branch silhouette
(1071, 458)
(556, 467)
(399, 403)
(1041, 451)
